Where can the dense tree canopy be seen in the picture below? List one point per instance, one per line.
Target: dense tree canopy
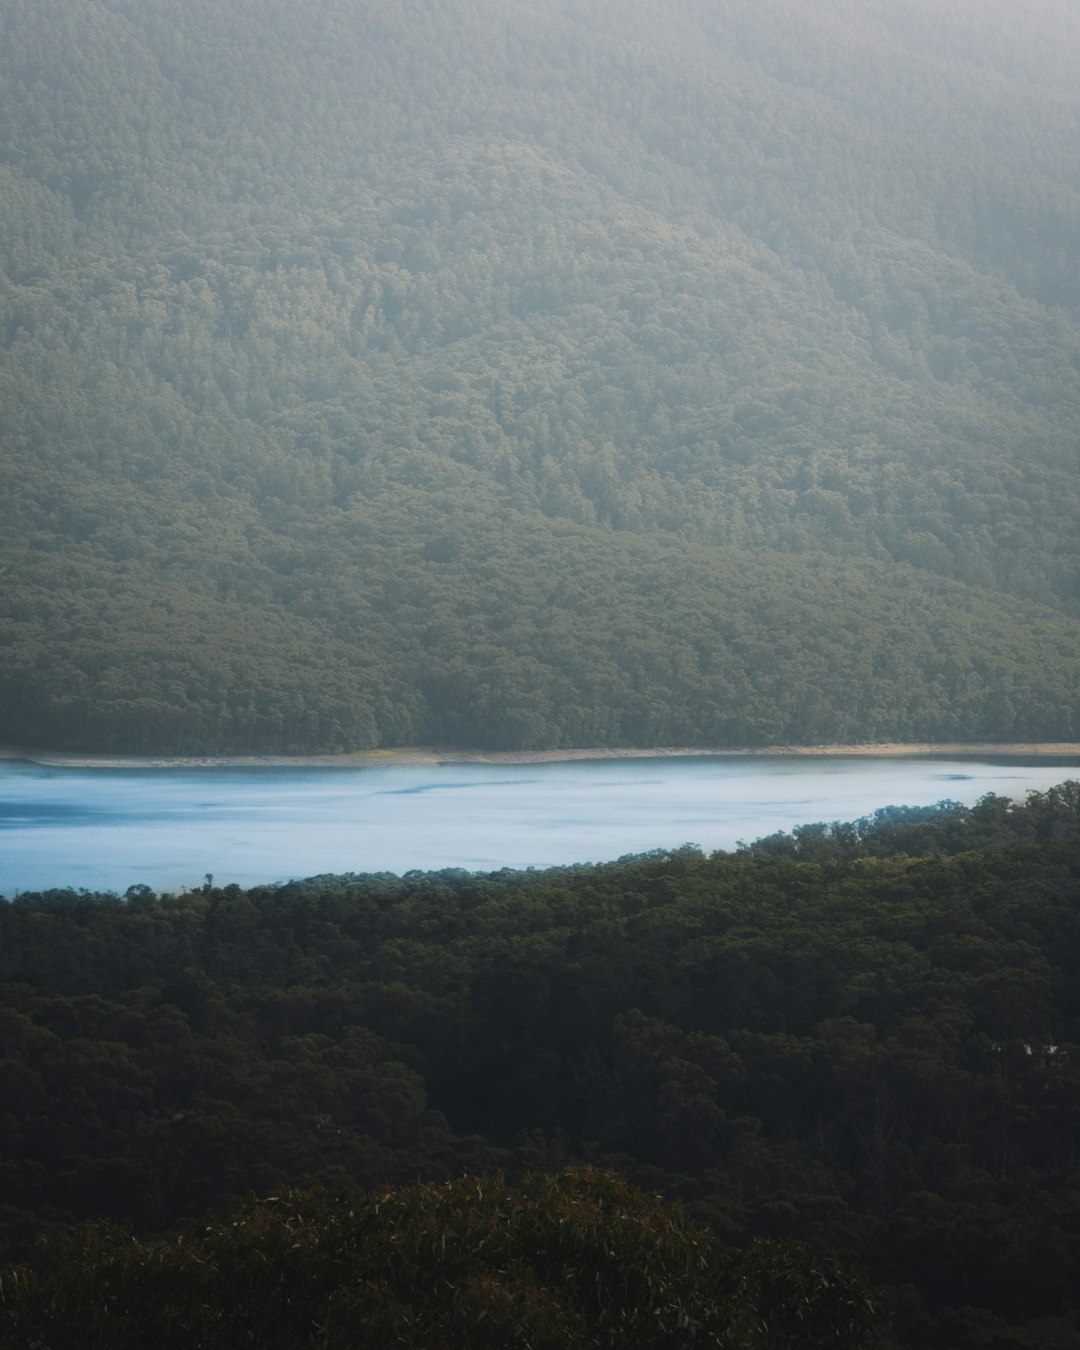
(537, 375)
(864, 1037)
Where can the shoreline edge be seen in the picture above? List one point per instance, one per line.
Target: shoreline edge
(434, 755)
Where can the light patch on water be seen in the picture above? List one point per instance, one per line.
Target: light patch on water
(167, 827)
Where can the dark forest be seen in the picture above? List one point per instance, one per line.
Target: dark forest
(857, 1044)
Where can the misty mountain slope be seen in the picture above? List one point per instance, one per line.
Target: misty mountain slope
(306, 316)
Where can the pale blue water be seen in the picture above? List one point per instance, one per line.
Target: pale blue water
(107, 829)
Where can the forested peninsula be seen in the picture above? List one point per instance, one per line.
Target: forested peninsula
(523, 375)
(820, 1092)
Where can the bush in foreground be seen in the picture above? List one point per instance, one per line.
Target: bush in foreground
(578, 1259)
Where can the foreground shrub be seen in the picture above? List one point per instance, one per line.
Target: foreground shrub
(578, 1259)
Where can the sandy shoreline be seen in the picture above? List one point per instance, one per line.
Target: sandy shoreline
(449, 755)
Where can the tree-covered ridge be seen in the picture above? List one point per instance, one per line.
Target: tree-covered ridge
(862, 1036)
(455, 627)
(368, 378)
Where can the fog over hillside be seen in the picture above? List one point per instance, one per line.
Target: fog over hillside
(538, 374)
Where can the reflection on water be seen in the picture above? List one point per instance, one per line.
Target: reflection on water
(167, 827)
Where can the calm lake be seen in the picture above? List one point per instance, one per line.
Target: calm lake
(107, 829)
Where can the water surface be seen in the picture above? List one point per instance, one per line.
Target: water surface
(107, 829)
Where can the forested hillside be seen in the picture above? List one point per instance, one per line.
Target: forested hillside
(538, 374)
(863, 1037)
